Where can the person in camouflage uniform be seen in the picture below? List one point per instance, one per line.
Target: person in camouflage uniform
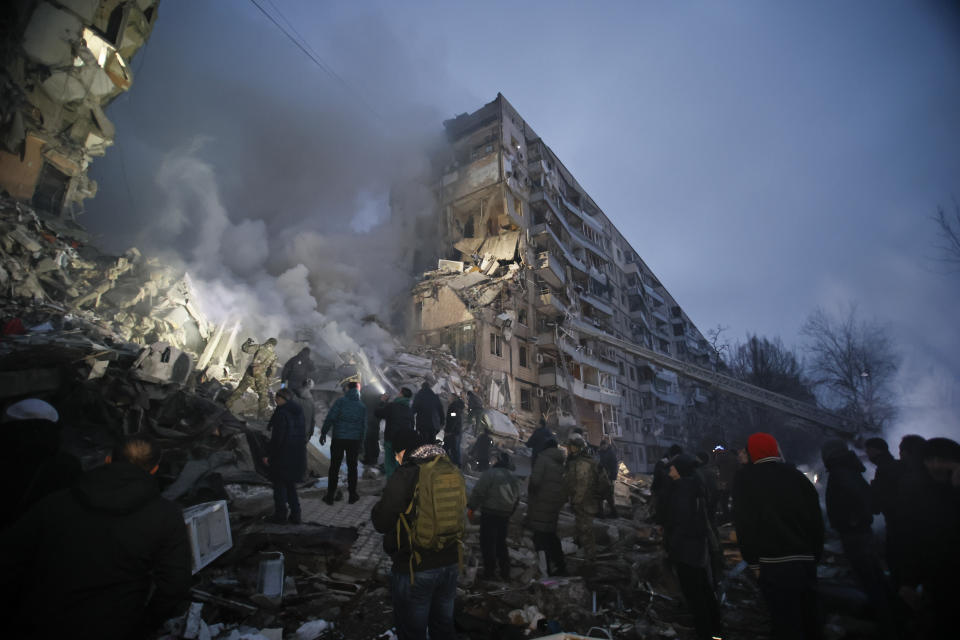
(258, 373)
(580, 477)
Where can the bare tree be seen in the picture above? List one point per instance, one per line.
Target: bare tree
(948, 227)
(854, 363)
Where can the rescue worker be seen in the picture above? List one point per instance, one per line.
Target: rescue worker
(296, 370)
(580, 479)
(540, 436)
(610, 465)
(546, 498)
(453, 428)
(427, 412)
(397, 415)
(475, 409)
(257, 374)
(496, 495)
(347, 419)
(287, 456)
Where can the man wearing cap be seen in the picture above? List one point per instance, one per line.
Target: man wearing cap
(396, 415)
(776, 511)
(257, 374)
(496, 495)
(580, 478)
(32, 464)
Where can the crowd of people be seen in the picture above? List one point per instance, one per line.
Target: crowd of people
(102, 554)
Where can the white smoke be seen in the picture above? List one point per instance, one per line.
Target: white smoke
(325, 281)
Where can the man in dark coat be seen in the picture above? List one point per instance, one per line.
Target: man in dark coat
(929, 505)
(297, 369)
(727, 467)
(849, 511)
(347, 419)
(107, 559)
(31, 463)
(496, 495)
(911, 480)
(607, 459)
(475, 409)
(780, 529)
(537, 440)
(453, 428)
(545, 499)
(687, 536)
(661, 473)
(425, 600)
(397, 415)
(286, 456)
(427, 413)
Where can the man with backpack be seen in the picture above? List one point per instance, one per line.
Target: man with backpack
(496, 495)
(421, 514)
(583, 477)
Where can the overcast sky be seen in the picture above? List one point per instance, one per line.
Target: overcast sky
(763, 158)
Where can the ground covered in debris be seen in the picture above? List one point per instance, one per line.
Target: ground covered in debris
(118, 345)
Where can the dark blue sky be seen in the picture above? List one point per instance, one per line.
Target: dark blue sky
(763, 158)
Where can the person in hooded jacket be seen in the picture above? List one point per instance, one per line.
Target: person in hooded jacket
(297, 369)
(427, 413)
(776, 512)
(580, 477)
(537, 440)
(286, 456)
(496, 495)
(108, 559)
(546, 496)
(31, 463)
(397, 415)
(850, 513)
(347, 419)
(686, 527)
(422, 602)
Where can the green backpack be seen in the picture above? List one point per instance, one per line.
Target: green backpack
(440, 498)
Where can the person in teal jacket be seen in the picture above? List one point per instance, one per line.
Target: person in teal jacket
(347, 419)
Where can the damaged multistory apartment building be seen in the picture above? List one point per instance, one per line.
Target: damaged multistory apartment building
(539, 288)
(61, 63)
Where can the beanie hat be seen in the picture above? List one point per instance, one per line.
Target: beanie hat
(762, 445)
(576, 440)
(405, 439)
(32, 409)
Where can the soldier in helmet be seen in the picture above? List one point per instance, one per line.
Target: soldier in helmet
(580, 478)
(257, 374)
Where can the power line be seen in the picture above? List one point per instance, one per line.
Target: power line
(308, 51)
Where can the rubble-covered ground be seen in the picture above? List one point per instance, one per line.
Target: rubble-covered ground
(77, 326)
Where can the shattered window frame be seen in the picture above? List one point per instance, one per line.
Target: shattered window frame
(496, 345)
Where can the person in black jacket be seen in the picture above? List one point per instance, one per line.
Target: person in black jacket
(286, 456)
(545, 499)
(296, 370)
(849, 510)
(538, 440)
(426, 601)
(607, 459)
(397, 415)
(686, 532)
(427, 413)
(107, 559)
(776, 511)
(661, 471)
(453, 428)
(31, 463)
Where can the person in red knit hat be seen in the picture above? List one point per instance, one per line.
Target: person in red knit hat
(776, 512)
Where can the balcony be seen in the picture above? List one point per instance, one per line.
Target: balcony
(548, 303)
(653, 294)
(596, 303)
(550, 270)
(662, 318)
(593, 224)
(545, 229)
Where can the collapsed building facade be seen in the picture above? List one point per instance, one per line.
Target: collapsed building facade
(61, 63)
(535, 272)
